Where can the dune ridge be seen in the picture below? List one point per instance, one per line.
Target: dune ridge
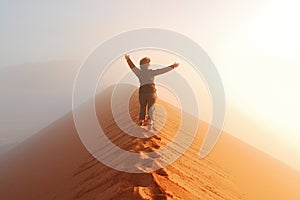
(54, 164)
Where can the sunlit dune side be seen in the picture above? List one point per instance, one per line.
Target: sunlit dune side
(258, 175)
(53, 164)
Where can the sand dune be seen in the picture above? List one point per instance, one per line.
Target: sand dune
(53, 164)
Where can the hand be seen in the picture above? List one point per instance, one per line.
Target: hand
(127, 57)
(175, 65)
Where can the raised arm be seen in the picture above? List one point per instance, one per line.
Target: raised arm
(131, 65)
(164, 70)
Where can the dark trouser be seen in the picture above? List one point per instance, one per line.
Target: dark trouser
(147, 100)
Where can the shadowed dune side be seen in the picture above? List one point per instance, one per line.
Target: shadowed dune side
(54, 164)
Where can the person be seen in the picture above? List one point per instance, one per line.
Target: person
(147, 90)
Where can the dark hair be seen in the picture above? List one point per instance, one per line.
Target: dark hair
(145, 60)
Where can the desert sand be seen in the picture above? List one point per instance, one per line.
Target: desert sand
(54, 164)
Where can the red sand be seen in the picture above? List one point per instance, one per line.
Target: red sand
(53, 164)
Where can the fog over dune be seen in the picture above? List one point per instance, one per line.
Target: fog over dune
(32, 96)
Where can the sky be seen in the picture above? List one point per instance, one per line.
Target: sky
(254, 45)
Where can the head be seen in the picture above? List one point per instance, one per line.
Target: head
(144, 63)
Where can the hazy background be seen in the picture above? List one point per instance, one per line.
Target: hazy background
(255, 46)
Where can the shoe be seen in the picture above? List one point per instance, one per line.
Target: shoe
(150, 124)
(141, 123)
(146, 121)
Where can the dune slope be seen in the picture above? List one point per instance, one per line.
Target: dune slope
(53, 164)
